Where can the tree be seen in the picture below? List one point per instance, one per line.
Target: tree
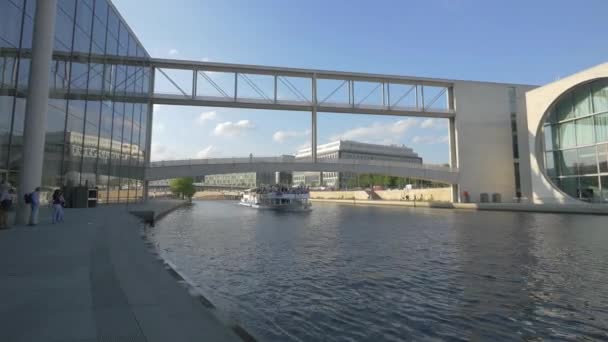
(183, 187)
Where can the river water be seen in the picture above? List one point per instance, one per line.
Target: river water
(345, 273)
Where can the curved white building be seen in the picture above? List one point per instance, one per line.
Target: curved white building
(568, 138)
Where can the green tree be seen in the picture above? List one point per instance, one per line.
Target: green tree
(183, 187)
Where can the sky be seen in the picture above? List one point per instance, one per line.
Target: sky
(517, 41)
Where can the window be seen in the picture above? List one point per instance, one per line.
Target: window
(567, 135)
(600, 96)
(10, 23)
(567, 162)
(587, 164)
(601, 127)
(584, 132)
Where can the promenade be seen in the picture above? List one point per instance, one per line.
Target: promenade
(92, 278)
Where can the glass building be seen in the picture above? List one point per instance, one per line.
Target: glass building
(575, 135)
(95, 143)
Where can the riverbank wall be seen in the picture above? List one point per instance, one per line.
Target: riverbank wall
(429, 194)
(594, 209)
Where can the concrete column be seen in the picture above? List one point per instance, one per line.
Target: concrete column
(313, 129)
(149, 132)
(37, 102)
(453, 156)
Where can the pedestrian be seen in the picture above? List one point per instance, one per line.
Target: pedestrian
(57, 206)
(5, 205)
(33, 199)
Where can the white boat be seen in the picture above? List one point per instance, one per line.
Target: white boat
(277, 198)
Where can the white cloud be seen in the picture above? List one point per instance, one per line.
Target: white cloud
(431, 139)
(207, 116)
(432, 123)
(206, 152)
(162, 152)
(158, 127)
(282, 136)
(205, 59)
(156, 108)
(231, 129)
(378, 132)
(173, 52)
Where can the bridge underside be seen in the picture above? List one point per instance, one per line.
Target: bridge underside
(444, 175)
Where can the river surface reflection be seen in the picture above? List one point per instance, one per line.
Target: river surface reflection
(343, 273)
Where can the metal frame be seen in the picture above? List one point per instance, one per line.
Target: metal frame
(354, 105)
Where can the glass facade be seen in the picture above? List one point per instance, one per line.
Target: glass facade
(575, 139)
(95, 143)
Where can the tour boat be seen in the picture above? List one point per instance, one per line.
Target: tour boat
(277, 198)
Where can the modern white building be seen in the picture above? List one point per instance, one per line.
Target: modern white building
(568, 138)
(346, 149)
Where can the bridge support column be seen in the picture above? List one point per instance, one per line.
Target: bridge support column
(36, 106)
(453, 156)
(313, 129)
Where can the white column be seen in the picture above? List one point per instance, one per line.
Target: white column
(453, 156)
(149, 131)
(313, 129)
(37, 101)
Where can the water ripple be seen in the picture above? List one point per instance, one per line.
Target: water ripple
(344, 273)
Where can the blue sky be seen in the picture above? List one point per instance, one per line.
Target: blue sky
(529, 42)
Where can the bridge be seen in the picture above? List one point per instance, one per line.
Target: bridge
(200, 167)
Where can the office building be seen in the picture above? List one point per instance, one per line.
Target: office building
(346, 149)
(99, 143)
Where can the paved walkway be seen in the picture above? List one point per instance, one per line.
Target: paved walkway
(92, 279)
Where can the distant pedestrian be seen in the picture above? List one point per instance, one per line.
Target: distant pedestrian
(58, 203)
(33, 199)
(5, 205)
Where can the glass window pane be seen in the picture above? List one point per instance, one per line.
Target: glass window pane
(582, 103)
(78, 76)
(95, 77)
(604, 195)
(99, 33)
(123, 40)
(7, 72)
(589, 189)
(10, 23)
(601, 127)
(584, 131)
(548, 135)
(602, 157)
(6, 114)
(64, 25)
(59, 75)
(24, 73)
(28, 31)
(16, 147)
(566, 162)
(569, 186)
(54, 141)
(600, 95)
(587, 163)
(550, 164)
(567, 135)
(564, 108)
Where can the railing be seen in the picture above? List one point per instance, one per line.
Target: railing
(288, 160)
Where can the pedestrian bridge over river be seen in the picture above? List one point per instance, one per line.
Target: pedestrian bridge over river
(200, 167)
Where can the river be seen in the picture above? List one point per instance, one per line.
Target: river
(346, 273)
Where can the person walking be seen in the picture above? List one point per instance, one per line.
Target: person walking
(34, 202)
(57, 203)
(5, 205)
